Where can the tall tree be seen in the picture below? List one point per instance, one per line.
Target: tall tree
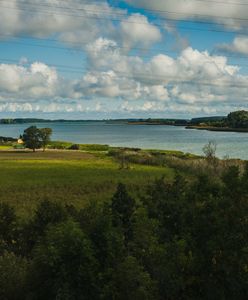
(123, 207)
(31, 138)
(64, 266)
(133, 282)
(45, 137)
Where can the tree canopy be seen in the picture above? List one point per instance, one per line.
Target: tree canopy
(36, 138)
(238, 119)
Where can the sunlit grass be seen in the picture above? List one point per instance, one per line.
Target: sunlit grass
(27, 178)
(3, 147)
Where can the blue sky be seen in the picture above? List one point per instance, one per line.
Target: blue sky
(118, 59)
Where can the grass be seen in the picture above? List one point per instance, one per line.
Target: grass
(82, 147)
(70, 177)
(5, 147)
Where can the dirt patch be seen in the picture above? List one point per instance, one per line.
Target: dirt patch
(49, 155)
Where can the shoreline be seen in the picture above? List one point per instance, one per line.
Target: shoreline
(209, 128)
(221, 129)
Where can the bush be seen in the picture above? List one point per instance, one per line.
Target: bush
(59, 145)
(74, 147)
(93, 147)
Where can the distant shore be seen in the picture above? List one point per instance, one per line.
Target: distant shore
(222, 129)
(209, 128)
(153, 123)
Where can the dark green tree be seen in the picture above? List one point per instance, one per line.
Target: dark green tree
(238, 119)
(123, 207)
(131, 282)
(31, 138)
(47, 213)
(64, 266)
(8, 227)
(13, 274)
(45, 137)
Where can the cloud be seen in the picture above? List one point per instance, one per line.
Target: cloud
(35, 81)
(114, 82)
(239, 45)
(137, 31)
(75, 22)
(229, 15)
(181, 42)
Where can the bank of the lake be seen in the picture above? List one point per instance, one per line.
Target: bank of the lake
(232, 144)
(220, 129)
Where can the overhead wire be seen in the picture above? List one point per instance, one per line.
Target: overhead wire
(108, 17)
(77, 48)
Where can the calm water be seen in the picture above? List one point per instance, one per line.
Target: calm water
(233, 144)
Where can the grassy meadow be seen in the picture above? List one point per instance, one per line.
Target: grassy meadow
(69, 177)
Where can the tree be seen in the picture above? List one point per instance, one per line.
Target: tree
(210, 153)
(35, 138)
(31, 138)
(45, 137)
(47, 214)
(210, 149)
(133, 282)
(13, 273)
(123, 207)
(8, 226)
(238, 119)
(64, 266)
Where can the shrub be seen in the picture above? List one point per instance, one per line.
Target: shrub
(74, 147)
(94, 147)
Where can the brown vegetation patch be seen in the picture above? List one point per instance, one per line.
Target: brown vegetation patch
(49, 154)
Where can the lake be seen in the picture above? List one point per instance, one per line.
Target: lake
(232, 144)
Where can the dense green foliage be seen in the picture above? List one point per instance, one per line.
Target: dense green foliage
(31, 138)
(207, 120)
(35, 138)
(45, 137)
(234, 120)
(178, 240)
(238, 119)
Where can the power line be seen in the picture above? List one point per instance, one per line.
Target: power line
(222, 2)
(114, 48)
(135, 22)
(146, 24)
(194, 15)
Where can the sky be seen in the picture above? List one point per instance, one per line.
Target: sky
(77, 59)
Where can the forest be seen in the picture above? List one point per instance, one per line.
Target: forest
(184, 238)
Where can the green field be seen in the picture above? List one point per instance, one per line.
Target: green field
(70, 177)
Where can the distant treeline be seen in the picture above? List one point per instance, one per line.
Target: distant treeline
(237, 119)
(33, 120)
(4, 140)
(178, 122)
